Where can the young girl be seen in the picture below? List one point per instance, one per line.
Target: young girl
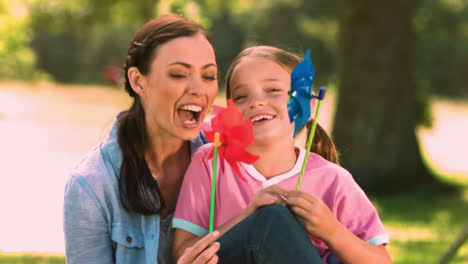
(336, 214)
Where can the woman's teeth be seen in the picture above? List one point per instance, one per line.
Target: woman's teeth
(190, 122)
(193, 108)
(190, 114)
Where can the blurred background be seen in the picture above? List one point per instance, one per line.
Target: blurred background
(396, 105)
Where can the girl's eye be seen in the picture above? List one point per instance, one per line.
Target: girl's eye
(272, 90)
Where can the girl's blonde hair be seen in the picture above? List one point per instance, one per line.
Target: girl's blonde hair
(285, 59)
(322, 144)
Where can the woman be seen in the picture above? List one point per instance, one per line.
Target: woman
(119, 200)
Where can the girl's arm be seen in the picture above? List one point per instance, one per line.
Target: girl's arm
(351, 249)
(188, 247)
(184, 240)
(320, 222)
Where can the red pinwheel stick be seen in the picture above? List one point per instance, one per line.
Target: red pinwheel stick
(217, 144)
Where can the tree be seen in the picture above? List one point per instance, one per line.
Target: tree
(18, 60)
(225, 33)
(69, 36)
(296, 26)
(441, 51)
(379, 101)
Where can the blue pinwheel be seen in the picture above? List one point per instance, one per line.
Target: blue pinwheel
(302, 79)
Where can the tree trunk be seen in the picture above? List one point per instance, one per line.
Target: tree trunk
(376, 113)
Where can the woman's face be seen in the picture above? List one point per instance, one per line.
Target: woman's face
(180, 87)
(259, 87)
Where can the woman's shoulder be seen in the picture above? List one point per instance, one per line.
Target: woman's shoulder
(98, 169)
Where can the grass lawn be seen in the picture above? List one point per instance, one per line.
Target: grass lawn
(30, 259)
(421, 226)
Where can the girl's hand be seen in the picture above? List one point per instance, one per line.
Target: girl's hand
(201, 252)
(313, 214)
(267, 196)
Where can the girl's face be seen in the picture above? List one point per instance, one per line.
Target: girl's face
(180, 87)
(259, 87)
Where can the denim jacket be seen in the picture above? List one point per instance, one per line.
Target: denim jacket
(97, 228)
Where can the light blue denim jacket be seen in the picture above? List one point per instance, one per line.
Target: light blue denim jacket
(97, 228)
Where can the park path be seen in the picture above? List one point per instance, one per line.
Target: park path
(45, 130)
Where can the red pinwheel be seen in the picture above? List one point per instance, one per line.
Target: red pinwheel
(236, 134)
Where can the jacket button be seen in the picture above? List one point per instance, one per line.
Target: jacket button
(128, 239)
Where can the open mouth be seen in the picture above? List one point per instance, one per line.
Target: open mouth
(259, 119)
(190, 115)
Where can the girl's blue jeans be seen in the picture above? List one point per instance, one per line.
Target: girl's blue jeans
(270, 235)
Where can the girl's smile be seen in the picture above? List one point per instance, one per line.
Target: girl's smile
(261, 118)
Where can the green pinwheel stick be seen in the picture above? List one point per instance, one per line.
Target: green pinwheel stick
(310, 138)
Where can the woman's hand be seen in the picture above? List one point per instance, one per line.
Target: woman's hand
(201, 252)
(313, 214)
(267, 196)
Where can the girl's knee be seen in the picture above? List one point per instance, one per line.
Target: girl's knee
(275, 211)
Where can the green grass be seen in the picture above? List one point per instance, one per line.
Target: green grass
(422, 227)
(8, 258)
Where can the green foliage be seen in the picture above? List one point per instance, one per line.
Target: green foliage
(75, 40)
(228, 39)
(18, 59)
(68, 36)
(295, 26)
(442, 51)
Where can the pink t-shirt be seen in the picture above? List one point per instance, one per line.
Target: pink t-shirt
(325, 180)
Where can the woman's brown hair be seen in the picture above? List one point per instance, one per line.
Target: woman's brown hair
(322, 144)
(139, 190)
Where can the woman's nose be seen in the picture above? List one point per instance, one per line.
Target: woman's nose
(196, 86)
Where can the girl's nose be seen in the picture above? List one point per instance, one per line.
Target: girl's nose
(256, 101)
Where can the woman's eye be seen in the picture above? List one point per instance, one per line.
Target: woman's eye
(210, 77)
(239, 97)
(177, 75)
